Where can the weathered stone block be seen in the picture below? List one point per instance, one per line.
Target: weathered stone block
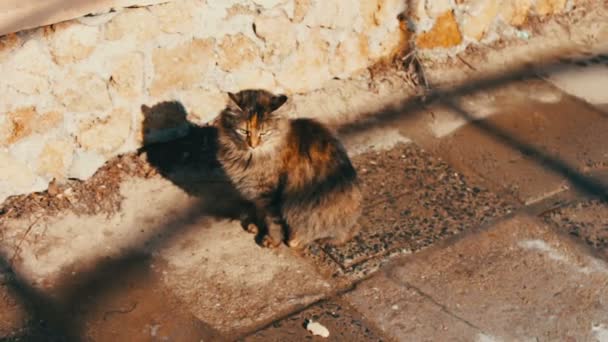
(331, 14)
(16, 177)
(300, 9)
(24, 121)
(351, 55)
(309, 67)
(27, 69)
(546, 7)
(106, 135)
(56, 159)
(203, 105)
(515, 12)
(237, 50)
(194, 59)
(139, 22)
(71, 41)
(7, 44)
(128, 76)
(444, 34)
(481, 15)
(278, 42)
(176, 16)
(83, 92)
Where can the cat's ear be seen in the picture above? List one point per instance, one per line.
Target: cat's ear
(277, 101)
(235, 98)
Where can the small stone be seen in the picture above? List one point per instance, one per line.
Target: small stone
(317, 329)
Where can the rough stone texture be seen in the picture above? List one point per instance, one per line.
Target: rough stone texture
(587, 220)
(195, 59)
(128, 76)
(71, 41)
(424, 201)
(108, 134)
(463, 291)
(83, 92)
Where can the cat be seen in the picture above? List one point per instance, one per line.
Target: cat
(295, 171)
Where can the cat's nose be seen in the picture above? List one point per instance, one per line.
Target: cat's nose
(253, 141)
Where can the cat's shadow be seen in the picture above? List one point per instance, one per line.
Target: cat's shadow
(186, 154)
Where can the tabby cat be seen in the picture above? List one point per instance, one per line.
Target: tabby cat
(296, 172)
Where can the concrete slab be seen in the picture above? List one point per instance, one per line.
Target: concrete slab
(412, 200)
(516, 281)
(229, 282)
(531, 149)
(343, 323)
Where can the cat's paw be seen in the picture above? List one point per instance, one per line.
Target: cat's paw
(269, 242)
(296, 244)
(252, 228)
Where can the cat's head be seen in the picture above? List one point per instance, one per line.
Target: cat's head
(249, 119)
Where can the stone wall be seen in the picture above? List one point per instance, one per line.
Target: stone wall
(455, 24)
(71, 93)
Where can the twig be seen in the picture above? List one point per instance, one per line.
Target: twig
(18, 248)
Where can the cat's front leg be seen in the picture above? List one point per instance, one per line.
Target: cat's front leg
(274, 226)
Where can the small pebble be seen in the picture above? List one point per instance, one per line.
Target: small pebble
(317, 329)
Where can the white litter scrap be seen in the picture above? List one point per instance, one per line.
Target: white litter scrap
(317, 329)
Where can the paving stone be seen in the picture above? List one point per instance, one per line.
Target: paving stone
(531, 148)
(226, 280)
(343, 323)
(519, 280)
(412, 200)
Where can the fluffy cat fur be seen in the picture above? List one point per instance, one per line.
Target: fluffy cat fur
(296, 172)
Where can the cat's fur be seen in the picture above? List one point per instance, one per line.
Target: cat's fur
(296, 172)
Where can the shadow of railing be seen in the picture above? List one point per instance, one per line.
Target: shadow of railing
(189, 162)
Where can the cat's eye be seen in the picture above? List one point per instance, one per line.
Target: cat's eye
(265, 133)
(242, 131)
